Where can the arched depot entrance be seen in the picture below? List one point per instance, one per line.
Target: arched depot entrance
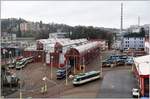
(73, 59)
(81, 55)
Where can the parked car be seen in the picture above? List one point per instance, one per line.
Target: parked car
(107, 62)
(114, 57)
(61, 73)
(129, 61)
(135, 92)
(119, 61)
(9, 79)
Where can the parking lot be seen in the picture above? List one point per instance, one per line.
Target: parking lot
(117, 82)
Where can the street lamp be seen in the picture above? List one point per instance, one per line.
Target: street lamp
(101, 64)
(83, 66)
(51, 81)
(51, 66)
(74, 64)
(10, 58)
(20, 94)
(4, 52)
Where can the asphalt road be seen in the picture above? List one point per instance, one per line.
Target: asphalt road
(117, 83)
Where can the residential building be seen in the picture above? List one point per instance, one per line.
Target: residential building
(29, 26)
(24, 27)
(133, 43)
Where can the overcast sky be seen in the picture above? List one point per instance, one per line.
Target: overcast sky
(95, 13)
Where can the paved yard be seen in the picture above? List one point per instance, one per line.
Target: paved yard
(117, 83)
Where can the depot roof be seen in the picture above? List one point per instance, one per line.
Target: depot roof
(30, 48)
(86, 47)
(143, 65)
(71, 42)
(52, 41)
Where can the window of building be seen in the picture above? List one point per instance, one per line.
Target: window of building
(8, 38)
(3, 37)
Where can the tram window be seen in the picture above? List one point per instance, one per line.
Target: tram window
(78, 79)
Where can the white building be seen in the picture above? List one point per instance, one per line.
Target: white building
(133, 41)
(7, 37)
(134, 29)
(58, 35)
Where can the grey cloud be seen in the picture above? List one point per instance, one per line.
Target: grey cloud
(96, 13)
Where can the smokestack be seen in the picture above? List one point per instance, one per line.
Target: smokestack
(138, 20)
(121, 27)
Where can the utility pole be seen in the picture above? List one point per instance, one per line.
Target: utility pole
(66, 72)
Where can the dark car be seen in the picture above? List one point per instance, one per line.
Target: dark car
(9, 79)
(107, 62)
(129, 61)
(121, 59)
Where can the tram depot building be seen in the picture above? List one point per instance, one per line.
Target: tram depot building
(59, 52)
